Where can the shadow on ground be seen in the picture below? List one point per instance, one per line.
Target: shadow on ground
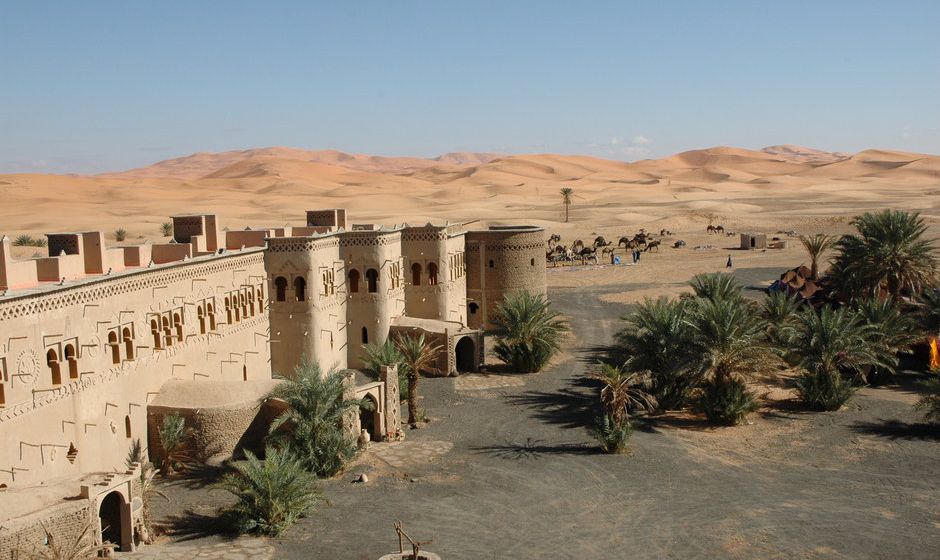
(896, 429)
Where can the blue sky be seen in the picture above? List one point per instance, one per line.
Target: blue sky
(97, 86)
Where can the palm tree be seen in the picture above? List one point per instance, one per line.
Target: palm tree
(529, 333)
(728, 343)
(174, 436)
(815, 246)
(566, 194)
(655, 340)
(930, 402)
(779, 310)
(622, 391)
(271, 493)
(312, 426)
(418, 355)
(889, 256)
(386, 354)
(893, 332)
(716, 285)
(824, 344)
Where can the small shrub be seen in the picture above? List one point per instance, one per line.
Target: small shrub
(147, 473)
(930, 402)
(80, 547)
(166, 229)
(613, 435)
(726, 401)
(386, 354)
(823, 390)
(23, 240)
(272, 493)
(120, 234)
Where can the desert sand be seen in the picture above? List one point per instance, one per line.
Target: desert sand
(779, 188)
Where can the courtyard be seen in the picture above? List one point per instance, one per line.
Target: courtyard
(507, 468)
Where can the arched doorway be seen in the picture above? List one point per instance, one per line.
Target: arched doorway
(110, 516)
(466, 354)
(371, 420)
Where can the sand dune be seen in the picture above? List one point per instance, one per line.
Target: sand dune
(780, 187)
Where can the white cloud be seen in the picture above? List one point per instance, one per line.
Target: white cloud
(640, 140)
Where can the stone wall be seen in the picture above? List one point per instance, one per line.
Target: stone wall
(21, 537)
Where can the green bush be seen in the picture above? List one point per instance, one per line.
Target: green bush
(174, 436)
(726, 401)
(25, 240)
(272, 493)
(613, 435)
(166, 229)
(528, 332)
(311, 428)
(120, 234)
(387, 354)
(824, 390)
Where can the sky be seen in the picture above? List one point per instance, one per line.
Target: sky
(89, 87)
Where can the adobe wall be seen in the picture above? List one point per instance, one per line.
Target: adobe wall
(126, 335)
(316, 326)
(380, 251)
(19, 538)
(445, 297)
(502, 260)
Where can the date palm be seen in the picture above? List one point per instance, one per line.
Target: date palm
(889, 256)
(893, 332)
(566, 195)
(816, 246)
(715, 286)
(418, 355)
(386, 354)
(312, 426)
(622, 391)
(529, 333)
(655, 340)
(825, 344)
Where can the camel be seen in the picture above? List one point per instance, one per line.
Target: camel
(608, 250)
(714, 229)
(640, 239)
(601, 242)
(577, 246)
(554, 239)
(625, 241)
(588, 253)
(679, 243)
(653, 245)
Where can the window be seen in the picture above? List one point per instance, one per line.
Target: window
(244, 373)
(155, 329)
(280, 287)
(210, 310)
(416, 274)
(329, 283)
(128, 337)
(260, 300)
(300, 288)
(72, 359)
(473, 308)
(251, 304)
(394, 275)
(167, 332)
(372, 279)
(127, 427)
(365, 335)
(354, 281)
(228, 310)
(52, 359)
(178, 323)
(492, 264)
(201, 315)
(115, 347)
(532, 262)
(432, 274)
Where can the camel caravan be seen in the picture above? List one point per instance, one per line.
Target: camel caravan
(557, 254)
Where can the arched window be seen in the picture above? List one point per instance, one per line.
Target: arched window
(236, 307)
(3, 399)
(280, 287)
(128, 343)
(178, 323)
(210, 310)
(300, 288)
(244, 373)
(260, 300)
(372, 279)
(532, 262)
(251, 305)
(167, 332)
(354, 281)
(473, 308)
(127, 427)
(72, 360)
(492, 264)
(228, 311)
(155, 329)
(432, 274)
(52, 359)
(416, 274)
(115, 347)
(200, 314)
(365, 335)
